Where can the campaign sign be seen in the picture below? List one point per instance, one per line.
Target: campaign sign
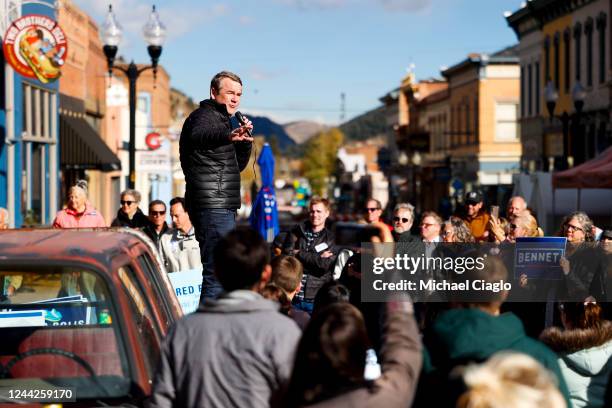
(539, 257)
(187, 285)
(22, 318)
(66, 311)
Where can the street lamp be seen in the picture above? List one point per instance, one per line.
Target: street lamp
(154, 34)
(578, 95)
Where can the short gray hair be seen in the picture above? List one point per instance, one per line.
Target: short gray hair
(405, 206)
(131, 192)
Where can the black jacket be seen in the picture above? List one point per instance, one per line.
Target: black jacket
(318, 270)
(139, 220)
(210, 161)
(152, 233)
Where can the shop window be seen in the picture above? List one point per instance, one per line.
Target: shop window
(37, 136)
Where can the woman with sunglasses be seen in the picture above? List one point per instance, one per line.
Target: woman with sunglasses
(79, 213)
(583, 259)
(129, 215)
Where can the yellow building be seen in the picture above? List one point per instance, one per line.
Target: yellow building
(484, 136)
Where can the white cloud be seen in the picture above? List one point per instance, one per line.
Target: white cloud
(389, 5)
(314, 4)
(261, 74)
(132, 15)
(405, 5)
(246, 20)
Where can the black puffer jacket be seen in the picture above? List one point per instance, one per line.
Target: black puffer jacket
(139, 220)
(318, 270)
(210, 161)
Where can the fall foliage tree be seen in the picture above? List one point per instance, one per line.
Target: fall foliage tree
(320, 156)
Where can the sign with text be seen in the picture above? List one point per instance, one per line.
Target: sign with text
(187, 286)
(539, 257)
(35, 46)
(153, 161)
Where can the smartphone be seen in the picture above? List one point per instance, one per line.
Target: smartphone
(495, 211)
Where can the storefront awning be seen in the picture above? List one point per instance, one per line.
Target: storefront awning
(81, 147)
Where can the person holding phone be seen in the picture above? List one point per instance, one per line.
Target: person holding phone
(498, 226)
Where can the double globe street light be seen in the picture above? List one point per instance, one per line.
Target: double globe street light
(551, 95)
(154, 34)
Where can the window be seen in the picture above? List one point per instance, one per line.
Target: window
(577, 50)
(68, 313)
(149, 335)
(506, 128)
(601, 28)
(523, 92)
(556, 61)
(566, 60)
(476, 120)
(547, 59)
(468, 131)
(588, 29)
(537, 88)
(529, 91)
(38, 136)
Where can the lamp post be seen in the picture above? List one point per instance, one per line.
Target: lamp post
(154, 34)
(578, 95)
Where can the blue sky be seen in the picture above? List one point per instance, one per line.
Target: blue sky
(296, 57)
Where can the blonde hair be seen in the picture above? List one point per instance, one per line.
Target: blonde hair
(510, 380)
(529, 224)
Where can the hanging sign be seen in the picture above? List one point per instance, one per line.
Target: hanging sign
(35, 46)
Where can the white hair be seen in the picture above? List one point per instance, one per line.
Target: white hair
(510, 379)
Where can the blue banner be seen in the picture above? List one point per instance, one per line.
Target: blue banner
(539, 257)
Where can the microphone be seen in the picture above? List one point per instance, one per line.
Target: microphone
(242, 121)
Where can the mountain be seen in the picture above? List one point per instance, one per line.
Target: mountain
(366, 126)
(303, 130)
(263, 126)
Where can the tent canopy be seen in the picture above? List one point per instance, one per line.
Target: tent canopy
(595, 173)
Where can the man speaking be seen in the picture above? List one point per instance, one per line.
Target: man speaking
(212, 157)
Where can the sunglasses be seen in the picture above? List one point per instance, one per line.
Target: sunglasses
(127, 202)
(398, 219)
(156, 213)
(372, 209)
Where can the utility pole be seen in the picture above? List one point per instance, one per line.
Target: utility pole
(342, 107)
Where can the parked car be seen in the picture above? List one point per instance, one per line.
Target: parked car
(86, 309)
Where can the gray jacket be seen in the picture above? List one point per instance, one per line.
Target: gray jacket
(180, 252)
(237, 351)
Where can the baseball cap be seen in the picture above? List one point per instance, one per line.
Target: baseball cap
(473, 197)
(606, 233)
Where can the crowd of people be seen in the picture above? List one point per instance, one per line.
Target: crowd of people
(290, 327)
(284, 324)
(288, 331)
(177, 246)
